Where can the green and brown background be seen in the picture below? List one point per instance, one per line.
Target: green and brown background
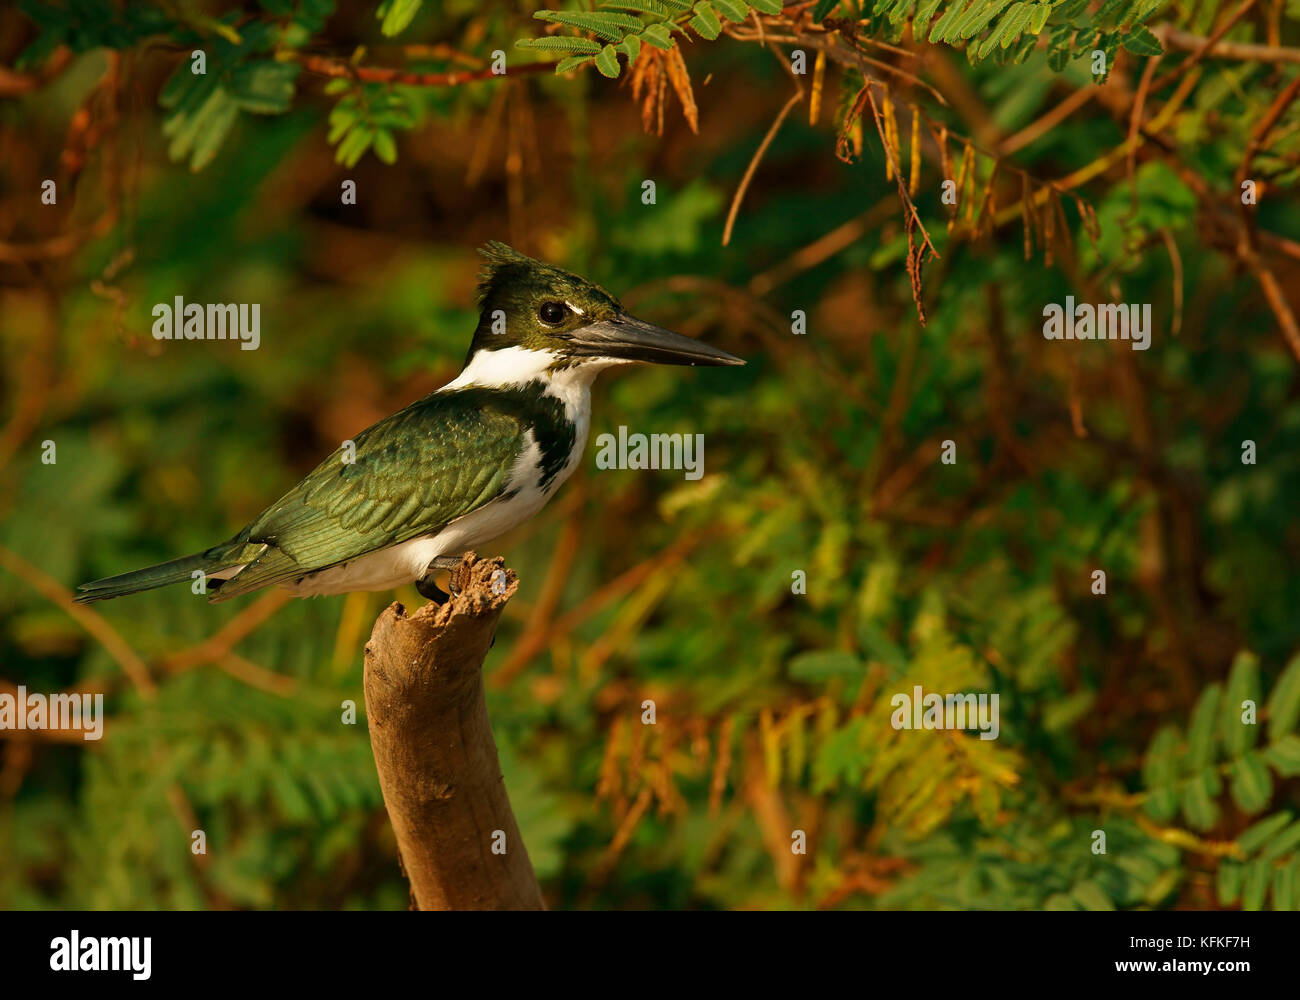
(776, 191)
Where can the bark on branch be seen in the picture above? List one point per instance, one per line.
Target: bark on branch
(434, 750)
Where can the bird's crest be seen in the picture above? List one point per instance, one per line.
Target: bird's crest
(504, 263)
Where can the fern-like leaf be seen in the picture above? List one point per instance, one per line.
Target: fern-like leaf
(560, 43)
(604, 24)
(571, 63)
(655, 8)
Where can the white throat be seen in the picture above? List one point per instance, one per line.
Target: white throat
(517, 366)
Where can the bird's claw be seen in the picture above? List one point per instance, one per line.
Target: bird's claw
(427, 588)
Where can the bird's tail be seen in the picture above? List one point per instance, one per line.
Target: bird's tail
(210, 562)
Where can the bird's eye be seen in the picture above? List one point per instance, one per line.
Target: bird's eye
(553, 313)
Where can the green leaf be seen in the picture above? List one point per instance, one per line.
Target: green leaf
(631, 47)
(607, 62)
(1109, 11)
(733, 10)
(921, 20)
(706, 21)
(1162, 887)
(1038, 16)
(180, 83)
(1060, 47)
(977, 18)
(1200, 736)
(1243, 685)
(1255, 836)
(201, 121)
(1058, 716)
(216, 127)
(1256, 885)
(1284, 888)
(264, 87)
(658, 36)
(1284, 756)
(652, 7)
(1141, 42)
(947, 21)
(822, 664)
(354, 146)
(1007, 31)
(878, 645)
(396, 15)
(609, 26)
(1284, 702)
(1252, 784)
(1231, 874)
(1159, 770)
(341, 119)
(1090, 896)
(1022, 49)
(1162, 803)
(1284, 843)
(1199, 793)
(772, 7)
(1144, 9)
(385, 146)
(560, 43)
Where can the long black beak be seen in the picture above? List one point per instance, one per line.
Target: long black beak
(630, 339)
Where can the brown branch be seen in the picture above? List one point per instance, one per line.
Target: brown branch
(91, 621)
(13, 83)
(1174, 38)
(534, 642)
(1205, 47)
(225, 639)
(1048, 121)
(327, 66)
(795, 98)
(1248, 244)
(434, 750)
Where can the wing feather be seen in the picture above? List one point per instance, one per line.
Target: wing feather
(416, 471)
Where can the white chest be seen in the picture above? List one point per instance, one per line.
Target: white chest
(523, 497)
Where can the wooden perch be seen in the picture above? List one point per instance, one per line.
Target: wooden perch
(434, 750)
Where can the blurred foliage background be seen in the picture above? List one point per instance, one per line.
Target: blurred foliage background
(1120, 712)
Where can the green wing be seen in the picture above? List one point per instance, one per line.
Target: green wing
(416, 471)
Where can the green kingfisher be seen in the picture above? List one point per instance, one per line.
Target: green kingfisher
(453, 470)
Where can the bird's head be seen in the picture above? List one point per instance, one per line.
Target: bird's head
(536, 307)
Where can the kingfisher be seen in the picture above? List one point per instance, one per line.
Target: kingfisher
(453, 470)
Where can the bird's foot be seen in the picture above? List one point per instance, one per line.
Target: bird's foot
(427, 588)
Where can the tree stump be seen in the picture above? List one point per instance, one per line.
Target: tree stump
(433, 747)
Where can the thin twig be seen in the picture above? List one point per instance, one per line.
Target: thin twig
(1206, 46)
(91, 621)
(795, 98)
(328, 66)
(1175, 38)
